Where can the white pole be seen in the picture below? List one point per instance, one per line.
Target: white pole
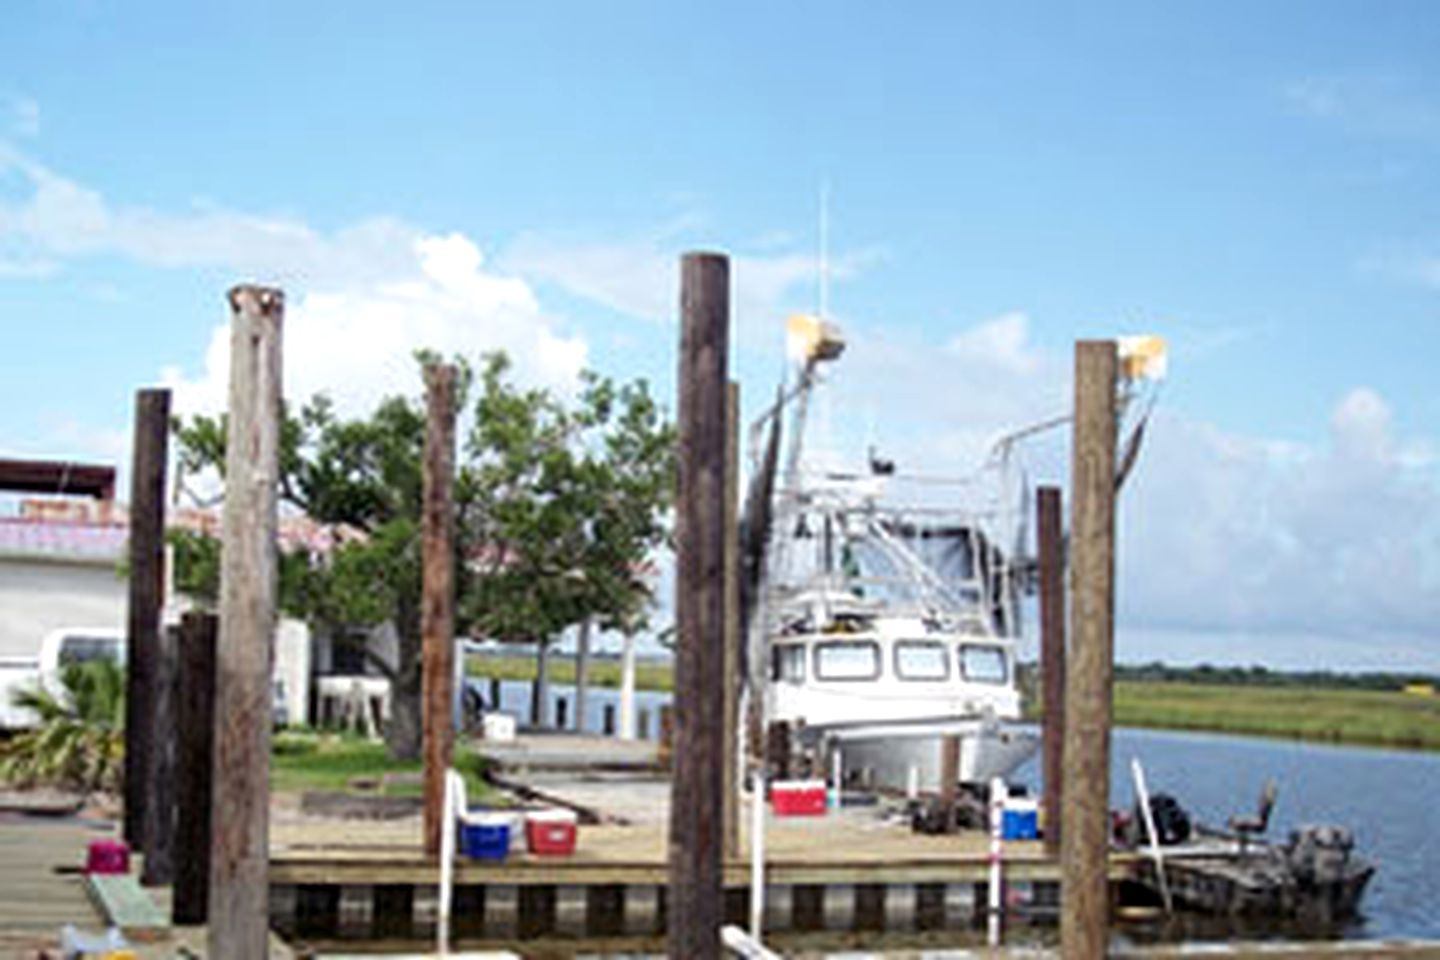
(454, 804)
(998, 795)
(837, 776)
(627, 688)
(1142, 793)
(912, 783)
(757, 853)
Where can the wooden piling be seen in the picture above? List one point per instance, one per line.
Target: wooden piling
(437, 604)
(1052, 655)
(240, 850)
(730, 816)
(1085, 830)
(582, 671)
(146, 597)
(159, 832)
(695, 907)
(949, 778)
(194, 760)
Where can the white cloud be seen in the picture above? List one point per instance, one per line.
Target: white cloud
(361, 299)
(357, 343)
(45, 215)
(639, 276)
(1384, 106)
(1001, 342)
(1336, 542)
(1266, 550)
(24, 116)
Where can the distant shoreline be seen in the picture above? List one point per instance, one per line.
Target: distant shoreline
(1355, 717)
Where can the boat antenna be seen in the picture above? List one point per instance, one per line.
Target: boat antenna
(823, 307)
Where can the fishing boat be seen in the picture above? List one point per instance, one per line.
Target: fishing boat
(880, 625)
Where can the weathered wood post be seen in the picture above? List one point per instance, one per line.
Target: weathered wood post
(159, 832)
(437, 605)
(582, 671)
(240, 850)
(1085, 829)
(194, 765)
(949, 779)
(147, 595)
(696, 902)
(1052, 655)
(730, 821)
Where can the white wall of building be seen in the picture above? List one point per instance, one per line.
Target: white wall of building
(37, 596)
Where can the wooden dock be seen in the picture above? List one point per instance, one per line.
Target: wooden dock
(836, 873)
(40, 885)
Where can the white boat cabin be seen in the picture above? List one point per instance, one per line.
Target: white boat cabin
(860, 669)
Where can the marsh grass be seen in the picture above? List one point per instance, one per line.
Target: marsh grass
(603, 673)
(1376, 718)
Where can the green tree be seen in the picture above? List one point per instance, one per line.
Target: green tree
(558, 508)
(564, 508)
(79, 741)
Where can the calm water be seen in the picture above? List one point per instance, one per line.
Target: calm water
(1390, 799)
(515, 696)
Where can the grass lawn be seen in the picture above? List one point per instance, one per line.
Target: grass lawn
(304, 760)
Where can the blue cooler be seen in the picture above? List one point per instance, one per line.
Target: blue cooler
(1020, 819)
(485, 836)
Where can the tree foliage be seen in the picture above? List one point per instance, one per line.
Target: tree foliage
(560, 506)
(79, 742)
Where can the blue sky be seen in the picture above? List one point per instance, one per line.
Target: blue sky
(1256, 182)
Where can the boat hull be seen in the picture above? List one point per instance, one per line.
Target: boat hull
(895, 755)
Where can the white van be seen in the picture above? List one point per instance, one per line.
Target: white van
(69, 645)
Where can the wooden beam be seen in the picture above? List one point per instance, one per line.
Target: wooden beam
(159, 866)
(239, 855)
(1085, 831)
(730, 820)
(437, 611)
(1052, 654)
(695, 908)
(58, 477)
(194, 760)
(146, 597)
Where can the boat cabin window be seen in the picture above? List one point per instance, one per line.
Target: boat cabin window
(921, 660)
(787, 663)
(982, 664)
(847, 660)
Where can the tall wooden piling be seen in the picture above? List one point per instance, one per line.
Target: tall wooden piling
(159, 831)
(1052, 655)
(582, 671)
(146, 597)
(730, 820)
(240, 850)
(1085, 829)
(194, 765)
(695, 908)
(437, 605)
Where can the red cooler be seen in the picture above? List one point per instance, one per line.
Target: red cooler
(798, 798)
(551, 833)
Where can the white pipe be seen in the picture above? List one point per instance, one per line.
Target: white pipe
(454, 805)
(837, 776)
(1142, 793)
(757, 852)
(998, 795)
(742, 944)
